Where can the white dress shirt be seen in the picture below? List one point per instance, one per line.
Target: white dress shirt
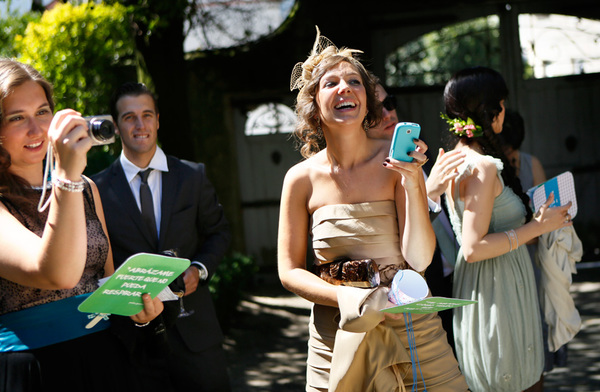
(442, 227)
(159, 164)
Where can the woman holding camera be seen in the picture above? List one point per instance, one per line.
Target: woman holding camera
(357, 204)
(51, 260)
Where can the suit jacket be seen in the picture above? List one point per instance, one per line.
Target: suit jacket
(434, 274)
(192, 222)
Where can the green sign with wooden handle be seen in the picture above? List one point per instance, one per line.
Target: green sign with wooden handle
(141, 273)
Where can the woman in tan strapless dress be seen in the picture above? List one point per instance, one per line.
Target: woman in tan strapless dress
(356, 203)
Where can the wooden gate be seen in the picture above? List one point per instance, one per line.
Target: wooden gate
(263, 160)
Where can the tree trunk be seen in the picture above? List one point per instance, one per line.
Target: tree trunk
(163, 60)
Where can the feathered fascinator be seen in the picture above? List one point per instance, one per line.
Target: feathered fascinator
(323, 48)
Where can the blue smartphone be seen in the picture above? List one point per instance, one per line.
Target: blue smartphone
(403, 140)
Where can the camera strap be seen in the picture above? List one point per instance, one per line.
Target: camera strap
(49, 164)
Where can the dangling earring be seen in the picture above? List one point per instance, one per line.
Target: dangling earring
(1, 139)
(319, 130)
(366, 125)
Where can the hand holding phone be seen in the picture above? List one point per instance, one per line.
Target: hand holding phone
(403, 140)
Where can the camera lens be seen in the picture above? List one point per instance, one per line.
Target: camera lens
(101, 131)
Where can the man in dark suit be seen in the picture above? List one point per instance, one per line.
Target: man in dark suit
(440, 271)
(173, 206)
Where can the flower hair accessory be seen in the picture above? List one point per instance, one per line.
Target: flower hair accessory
(322, 48)
(461, 127)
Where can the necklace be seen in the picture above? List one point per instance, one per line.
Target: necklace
(39, 188)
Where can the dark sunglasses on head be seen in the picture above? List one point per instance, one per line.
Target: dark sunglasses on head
(389, 103)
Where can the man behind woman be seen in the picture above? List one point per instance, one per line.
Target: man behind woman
(439, 272)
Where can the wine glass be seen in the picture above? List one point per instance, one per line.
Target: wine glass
(182, 311)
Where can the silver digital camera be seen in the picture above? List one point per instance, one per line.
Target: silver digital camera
(101, 129)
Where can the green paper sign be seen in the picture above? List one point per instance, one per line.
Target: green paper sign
(429, 305)
(141, 273)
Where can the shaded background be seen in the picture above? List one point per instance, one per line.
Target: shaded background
(211, 96)
(221, 71)
(226, 85)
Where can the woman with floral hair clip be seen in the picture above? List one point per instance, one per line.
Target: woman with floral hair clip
(357, 204)
(499, 339)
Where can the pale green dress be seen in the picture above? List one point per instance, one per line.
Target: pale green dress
(498, 340)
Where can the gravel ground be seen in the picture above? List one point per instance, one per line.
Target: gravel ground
(266, 345)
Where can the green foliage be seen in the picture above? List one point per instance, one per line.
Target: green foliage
(233, 276)
(84, 51)
(79, 49)
(435, 56)
(100, 157)
(11, 27)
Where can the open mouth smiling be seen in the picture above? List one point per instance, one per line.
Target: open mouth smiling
(34, 145)
(345, 105)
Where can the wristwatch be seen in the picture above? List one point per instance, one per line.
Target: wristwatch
(202, 271)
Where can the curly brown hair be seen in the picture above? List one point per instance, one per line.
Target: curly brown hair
(308, 133)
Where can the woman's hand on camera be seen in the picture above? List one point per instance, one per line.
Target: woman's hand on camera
(68, 134)
(553, 218)
(152, 308)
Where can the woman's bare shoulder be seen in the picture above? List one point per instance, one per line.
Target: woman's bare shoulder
(303, 173)
(488, 165)
(478, 168)
(303, 168)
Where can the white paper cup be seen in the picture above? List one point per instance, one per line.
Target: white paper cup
(408, 286)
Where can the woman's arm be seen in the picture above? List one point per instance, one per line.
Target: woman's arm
(416, 233)
(480, 190)
(57, 259)
(443, 172)
(292, 242)
(415, 230)
(537, 169)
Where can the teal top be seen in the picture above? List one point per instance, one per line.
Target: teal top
(31, 317)
(46, 324)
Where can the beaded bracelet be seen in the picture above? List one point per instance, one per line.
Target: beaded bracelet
(67, 185)
(141, 325)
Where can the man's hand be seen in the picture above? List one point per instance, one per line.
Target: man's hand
(442, 172)
(152, 308)
(191, 278)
